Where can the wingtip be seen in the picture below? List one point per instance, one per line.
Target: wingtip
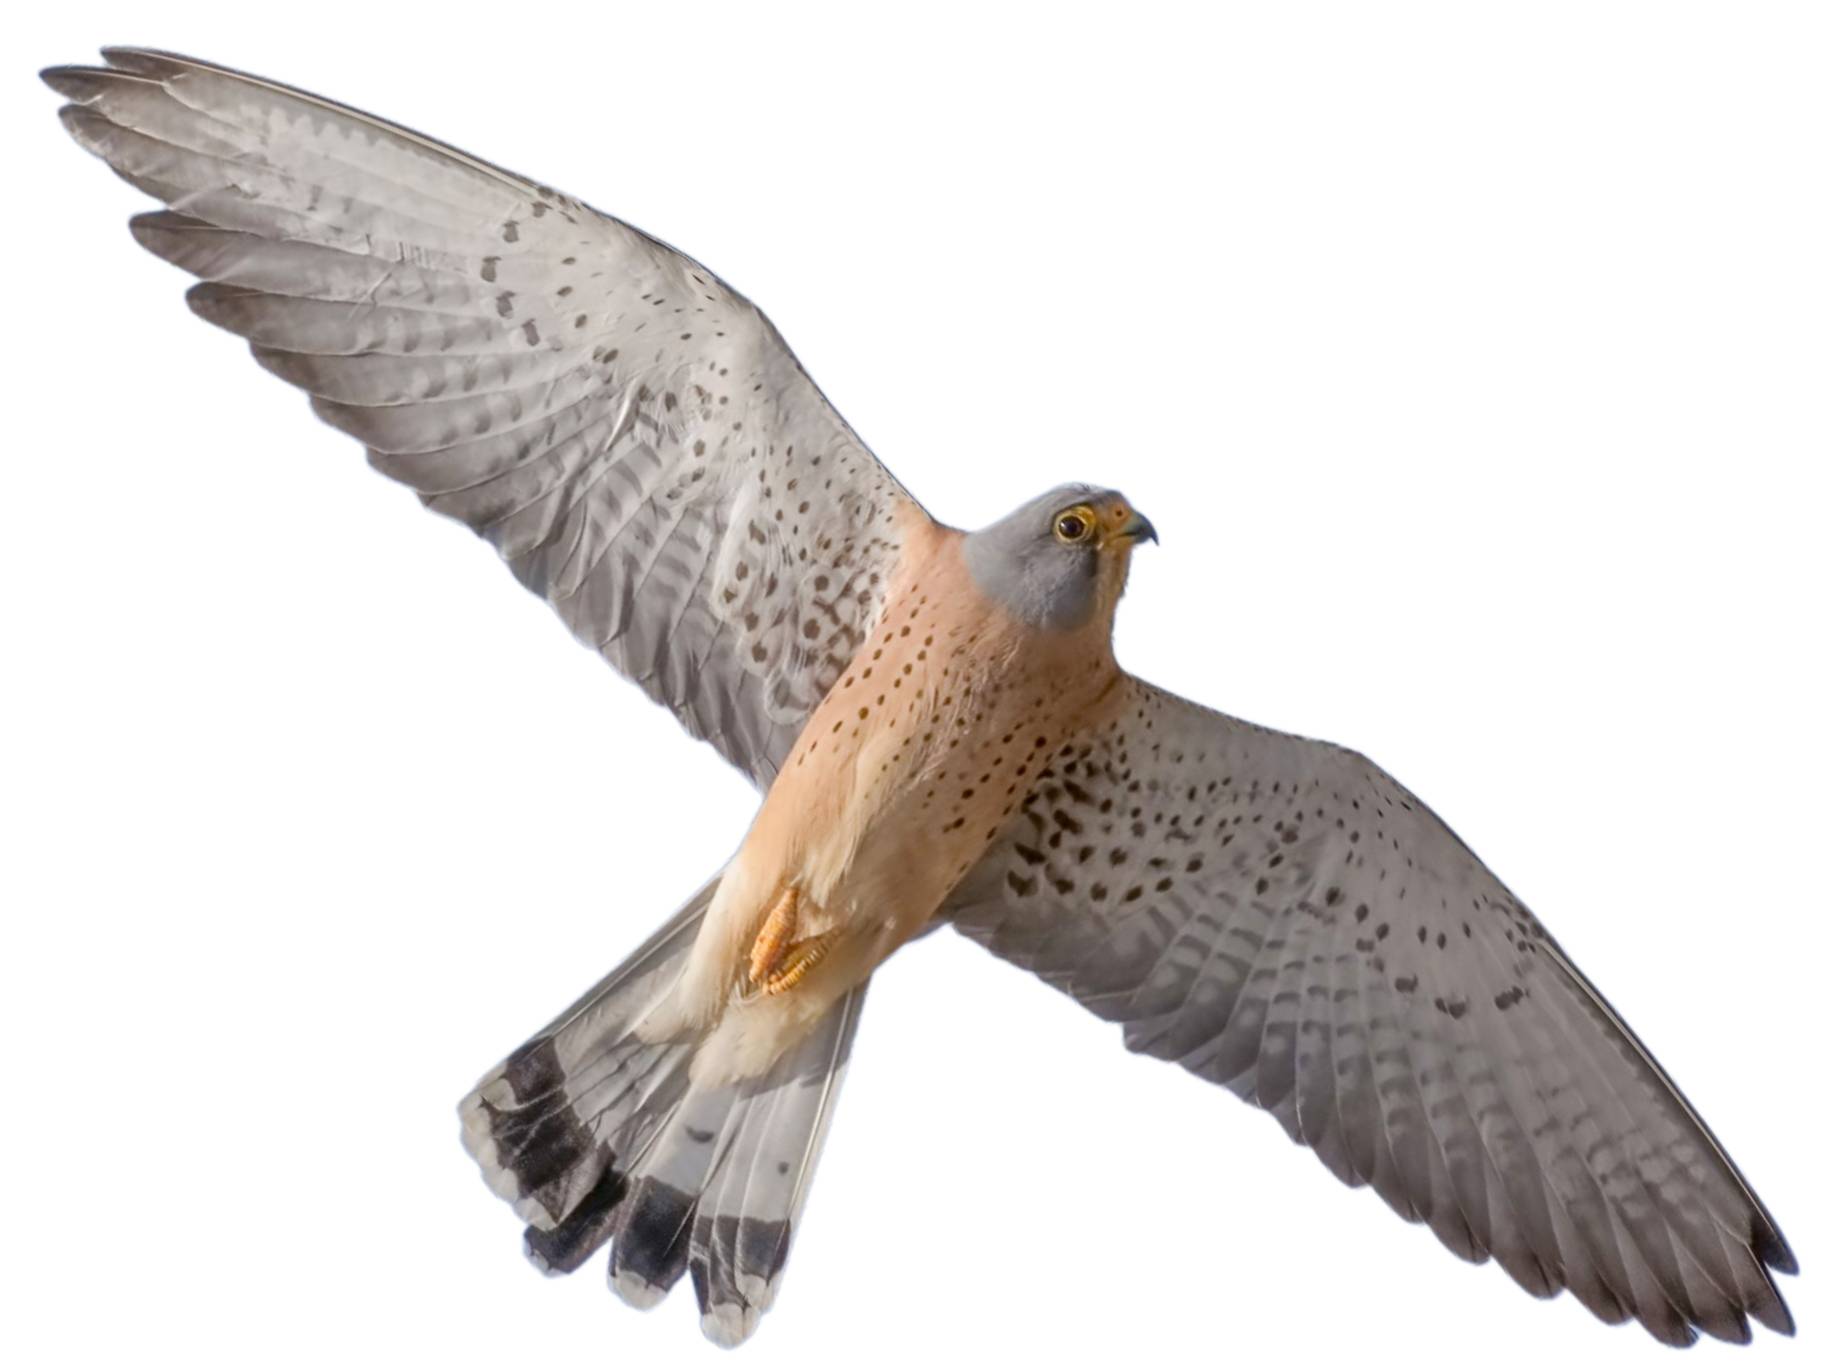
(76, 82)
(1772, 1311)
(1770, 1244)
(1771, 1247)
(84, 125)
(117, 60)
(128, 57)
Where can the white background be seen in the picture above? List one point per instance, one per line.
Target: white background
(1469, 366)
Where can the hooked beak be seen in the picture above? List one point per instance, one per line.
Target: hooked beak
(1136, 527)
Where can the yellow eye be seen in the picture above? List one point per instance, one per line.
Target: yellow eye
(1075, 525)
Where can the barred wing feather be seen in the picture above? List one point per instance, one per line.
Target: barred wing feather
(1281, 916)
(631, 434)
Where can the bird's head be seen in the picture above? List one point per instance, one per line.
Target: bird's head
(1059, 562)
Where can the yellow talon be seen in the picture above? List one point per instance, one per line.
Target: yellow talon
(774, 934)
(775, 964)
(797, 960)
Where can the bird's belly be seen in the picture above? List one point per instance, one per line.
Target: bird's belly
(856, 878)
(922, 837)
(879, 830)
(898, 783)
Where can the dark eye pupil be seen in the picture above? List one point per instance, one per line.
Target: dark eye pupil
(1071, 527)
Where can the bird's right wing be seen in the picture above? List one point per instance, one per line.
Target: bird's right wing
(1281, 916)
(631, 435)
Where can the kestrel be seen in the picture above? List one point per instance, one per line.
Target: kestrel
(941, 733)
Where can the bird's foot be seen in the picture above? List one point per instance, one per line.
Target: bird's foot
(778, 960)
(795, 963)
(774, 937)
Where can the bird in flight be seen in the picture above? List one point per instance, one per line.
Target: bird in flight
(941, 734)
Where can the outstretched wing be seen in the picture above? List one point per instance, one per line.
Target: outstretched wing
(1281, 916)
(632, 435)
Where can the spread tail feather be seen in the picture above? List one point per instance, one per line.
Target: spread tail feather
(594, 1134)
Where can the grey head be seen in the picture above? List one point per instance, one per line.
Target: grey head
(1059, 561)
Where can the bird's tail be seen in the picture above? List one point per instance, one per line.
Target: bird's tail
(592, 1134)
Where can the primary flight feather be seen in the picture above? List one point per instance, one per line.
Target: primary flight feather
(941, 732)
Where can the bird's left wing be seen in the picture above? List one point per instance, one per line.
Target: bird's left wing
(1281, 916)
(629, 433)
